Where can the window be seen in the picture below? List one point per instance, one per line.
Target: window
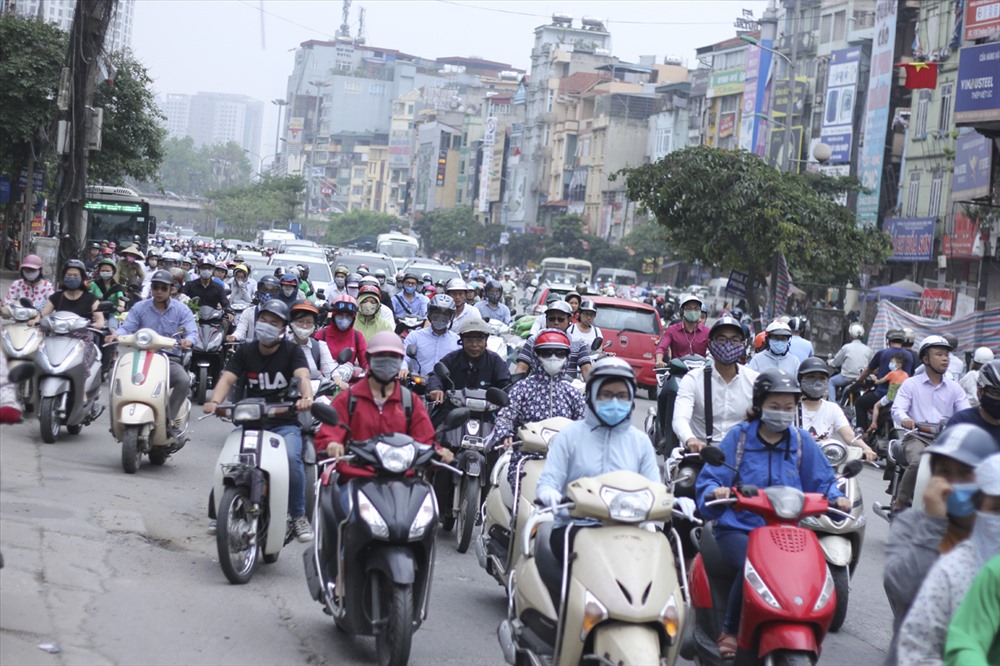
(944, 120)
(937, 182)
(376, 89)
(839, 25)
(352, 87)
(920, 122)
(548, 101)
(912, 194)
(359, 173)
(825, 28)
(357, 190)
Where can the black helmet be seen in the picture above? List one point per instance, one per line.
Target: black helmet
(895, 335)
(813, 364)
(773, 380)
(73, 263)
(797, 324)
(587, 305)
(952, 339)
(276, 307)
(269, 283)
(609, 368)
(968, 444)
(494, 285)
(989, 375)
(163, 277)
(726, 320)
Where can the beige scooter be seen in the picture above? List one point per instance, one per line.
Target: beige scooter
(615, 595)
(496, 547)
(140, 391)
(20, 339)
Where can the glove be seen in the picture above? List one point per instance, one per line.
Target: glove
(549, 498)
(685, 505)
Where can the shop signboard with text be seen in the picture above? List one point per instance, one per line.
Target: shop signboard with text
(726, 82)
(977, 99)
(982, 19)
(971, 177)
(839, 103)
(912, 238)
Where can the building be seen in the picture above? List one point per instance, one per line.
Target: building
(210, 118)
(118, 38)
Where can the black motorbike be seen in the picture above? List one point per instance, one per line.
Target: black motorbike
(660, 417)
(373, 556)
(209, 352)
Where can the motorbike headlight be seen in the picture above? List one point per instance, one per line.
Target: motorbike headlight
(670, 619)
(396, 459)
(426, 515)
(787, 502)
(21, 313)
(826, 593)
(372, 517)
(247, 413)
(835, 453)
(594, 612)
(627, 507)
(144, 339)
(758, 585)
(476, 404)
(60, 326)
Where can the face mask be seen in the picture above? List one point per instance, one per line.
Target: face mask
(106, 275)
(408, 289)
(343, 322)
(384, 368)
(779, 347)
(129, 258)
(303, 332)
(692, 316)
(340, 282)
(240, 279)
(288, 291)
(264, 296)
(352, 292)
(986, 535)
(991, 406)
(368, 308)
(439, 323)
(777, 421)
(960, 500)
(892, 366)
(814, 388)
(612, 412)
(205, 274)
(493, 297)
(31, 276)
(726, 353)
(72, 283)
(152, 263)
(267, 334)
(553, 365)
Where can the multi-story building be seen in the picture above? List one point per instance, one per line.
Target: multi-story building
(119, 35)
(210, 118)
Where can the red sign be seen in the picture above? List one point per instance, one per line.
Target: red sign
(937, 303)
(37, 224)
(982, 18)
(963, 242)
(326, 190)
(727, 123)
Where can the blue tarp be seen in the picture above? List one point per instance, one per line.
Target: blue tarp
(890, 292)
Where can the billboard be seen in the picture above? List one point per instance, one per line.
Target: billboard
(912, 239)
(726, 82)
(982, 19)
(295, 126)
(877, 111)
(748, 121)
(937, 303)
(978, 96)
(838, 108)
(971, 177)
(965, 240)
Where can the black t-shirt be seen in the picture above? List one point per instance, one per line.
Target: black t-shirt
(972, 415)
(269, 376)
(83, 306)
(214, 295)
(880, 361)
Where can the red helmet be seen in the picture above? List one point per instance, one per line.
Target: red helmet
(552, 339)
(345, 303)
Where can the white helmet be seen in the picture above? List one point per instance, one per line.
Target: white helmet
(982, 355)
(856, 331)
(778, 327)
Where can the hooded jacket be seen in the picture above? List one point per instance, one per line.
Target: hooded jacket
(337, 339)
(535, 398)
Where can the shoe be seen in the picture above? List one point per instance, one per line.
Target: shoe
(211, 527)
(302, 529)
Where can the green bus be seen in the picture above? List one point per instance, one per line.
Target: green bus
(118, 214)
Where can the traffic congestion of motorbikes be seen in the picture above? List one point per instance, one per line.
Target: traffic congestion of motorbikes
(382, 415)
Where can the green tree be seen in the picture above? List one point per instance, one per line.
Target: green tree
(454, 233)
(183, 170)
(602, 254)
(355, 223)
(730, 208)
(566, 238)
(132, 135)
(246, 209)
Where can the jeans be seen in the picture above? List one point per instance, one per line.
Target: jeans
(733, 547)
(292, 434)
(180, 386)
(836, 382)
(863, 405)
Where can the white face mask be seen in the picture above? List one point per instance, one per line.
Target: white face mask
(553, 365)
(303, 332)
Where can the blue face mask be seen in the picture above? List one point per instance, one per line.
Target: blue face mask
(264, 297)
(960, 500)
(612, 412)
(892, 366)
(408, 289)
(779, 347)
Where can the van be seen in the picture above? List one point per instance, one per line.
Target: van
(617, 276)
(716, 297)
(273, 237)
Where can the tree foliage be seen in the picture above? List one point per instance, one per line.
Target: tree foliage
(356, 223)
(191, 171)
(246, 209)
(453, 233)
(133, 134)
(731, 209)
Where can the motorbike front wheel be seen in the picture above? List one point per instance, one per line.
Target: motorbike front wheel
(48, 420)
(202, 385)
(468, 507)
(392, 643)
(234, 537)
(842, 584)
(131, 453)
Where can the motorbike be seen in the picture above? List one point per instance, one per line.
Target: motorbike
(502, 341)
(461, 497)
(20, 341)
(503, 521)
(406, 325)
(376, 581)
(680, 473)
(68, 392)
(841, 540)
(790, 594)
(623, 599)
(659, 416)
(139, 395)
(896, 467)
(208, 354)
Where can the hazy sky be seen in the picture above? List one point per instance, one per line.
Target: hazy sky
(247, 46)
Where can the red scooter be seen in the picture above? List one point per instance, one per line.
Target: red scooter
(788, 596)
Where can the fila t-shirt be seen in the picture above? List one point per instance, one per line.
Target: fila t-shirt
(267, 376)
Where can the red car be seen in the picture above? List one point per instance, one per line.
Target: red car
(634, 329)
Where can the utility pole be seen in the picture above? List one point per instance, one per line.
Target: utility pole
(86, 43)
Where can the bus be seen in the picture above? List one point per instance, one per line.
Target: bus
(118, 214)
(398, 246)
(565, 270)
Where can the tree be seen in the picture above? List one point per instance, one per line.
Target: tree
(246, 209)
(190, 171)
(452, 233)
(730, 208)
(356, 223)
(567, 237)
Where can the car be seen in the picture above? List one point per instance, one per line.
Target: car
(438, 272)
(420, 260)
(373, 260)
(253, 259)
(317, 252)
(320, 273)
(634, 329)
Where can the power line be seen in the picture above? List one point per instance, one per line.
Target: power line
(545, 16)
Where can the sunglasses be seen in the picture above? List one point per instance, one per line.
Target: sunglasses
(557, 320)
(549, 353)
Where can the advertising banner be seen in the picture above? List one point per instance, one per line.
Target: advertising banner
(912, 239)
(737, 283)
(978, 96)
(726, 82)
(748, 121)
(295, 126)
(838, 110)
(779, 102)
(877, 111)
(965, 241)
(399, 149)
(727, 125)
(982, 18)
(937, 303)
(971, 178)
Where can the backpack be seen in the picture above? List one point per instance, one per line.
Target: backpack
(405, 396)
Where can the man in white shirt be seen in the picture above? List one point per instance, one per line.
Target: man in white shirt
(970, 380)
(852, 359)
(458, 290)
(730, 386)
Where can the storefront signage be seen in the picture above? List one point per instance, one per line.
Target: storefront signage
(971, 178)
(912, 239)
(978, 96)
(838, 109)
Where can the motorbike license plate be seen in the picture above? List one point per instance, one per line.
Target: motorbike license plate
(469, 442)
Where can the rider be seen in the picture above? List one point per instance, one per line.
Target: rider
(243, 288)
(823, 418)
(970, 380)
(879, 365)
(434, 341)
(584, 331)
(493, 307)
(267, 289)
(799, 346)
(986, 414)
(106, 288)
(685, 337)
(289, 288)
(776, 355)
(473, 366)
(340, 333)
(458, 290)
(167, 317)
(370, 320)
(730, 389)
(924, 399)
(852, 359)
(407, 302)
(265, 368)
(302, 325)
(557, 316)
(31, 285)
(208, 292)
(93, 256)
(130, 266)
(766, 450)
(337, 286)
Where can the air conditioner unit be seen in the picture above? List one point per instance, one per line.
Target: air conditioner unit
(94, 131)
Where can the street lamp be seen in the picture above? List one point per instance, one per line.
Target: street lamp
(787, 147)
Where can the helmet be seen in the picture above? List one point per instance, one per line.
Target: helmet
(610, 367)
(162, 276)
(303, 308)
(369, 290)
(895, 335)
(725, 320)
(559, 306)
(573, 294)
(31, 261)
(363, 269)
(275, 307)
(534, 283)
(964, 442)
(551, 297)
(982, 355)
(687, 298)
(442, 302)
(369, 280)
(552, 338)
(152, 252)
(410, 275)
(179, 274)
(952, 339)
(989, 375)
(288, 278)
(341, 269)
(494, 285)
(797, 324)
(773, 380)
(354, 279)
(778, 328)
(93, 245)
(269, 283)
(856, 331)
(475, 325)
(220, 266)
(107, 262)
(813, 364)
(456, 284)
(386, 342)
(587, 306)
(736, 313)
(379, 273)
(345, 303)
(909, 336)
(73, 263)
(426, 277)
(241, 267)
(172, 256)
(933, 341)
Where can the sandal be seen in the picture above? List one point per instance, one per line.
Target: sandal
(727, 646)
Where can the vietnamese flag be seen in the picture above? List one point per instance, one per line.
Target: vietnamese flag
(920, 74)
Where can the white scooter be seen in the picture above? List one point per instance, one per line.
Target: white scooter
(139, 397)
(20, 342)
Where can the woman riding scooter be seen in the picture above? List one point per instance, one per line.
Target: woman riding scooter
(31, 285)
(767, 451)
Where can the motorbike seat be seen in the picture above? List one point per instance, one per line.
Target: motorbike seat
(715, 565)
(549, 563)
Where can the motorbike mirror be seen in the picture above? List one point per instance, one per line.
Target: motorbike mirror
(411, 351)
(21, 372)
(26, 302)
(442, 373)
(325, 413)
(678, 366)
(486, 319)
(321, 294)
(105, 307)
(713, 455)
(345, 355)
(497, 396)
(513, 312)
(597, 344)
(457, 418)
(852, 469)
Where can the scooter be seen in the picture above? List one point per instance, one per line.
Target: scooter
(20, 341)
(789, 597)
(496, 547)
(621, 601)
(659, 415)
(376, 580)
(896, 467)
(841, 539)
(208, 353)
(67, 394)
(139, 396)
(680, 473)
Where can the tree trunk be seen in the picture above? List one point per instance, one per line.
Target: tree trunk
(753, 303)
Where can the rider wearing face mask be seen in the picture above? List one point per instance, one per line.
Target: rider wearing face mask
(243, 288)
(206, 289)
(31, 285)
(777, 352)
(302, 327)
(105, 287)
(289, 289)
(820, 417)
(408, 302)
(267, 289)
(130, 266)
(338, 285)
(493, 307)
(340, 333)
(987, 414)
(436, 339)
(767, 450)
(686, 337)
(370, 320)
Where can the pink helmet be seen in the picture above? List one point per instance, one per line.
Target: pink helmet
(31, 261)
(386, 341)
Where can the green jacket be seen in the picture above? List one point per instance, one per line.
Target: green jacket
(974, 633)
(113, 293)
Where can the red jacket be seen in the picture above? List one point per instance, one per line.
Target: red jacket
(337, 340)
(369, 421)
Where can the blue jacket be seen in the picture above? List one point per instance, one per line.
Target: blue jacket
(764, 466)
